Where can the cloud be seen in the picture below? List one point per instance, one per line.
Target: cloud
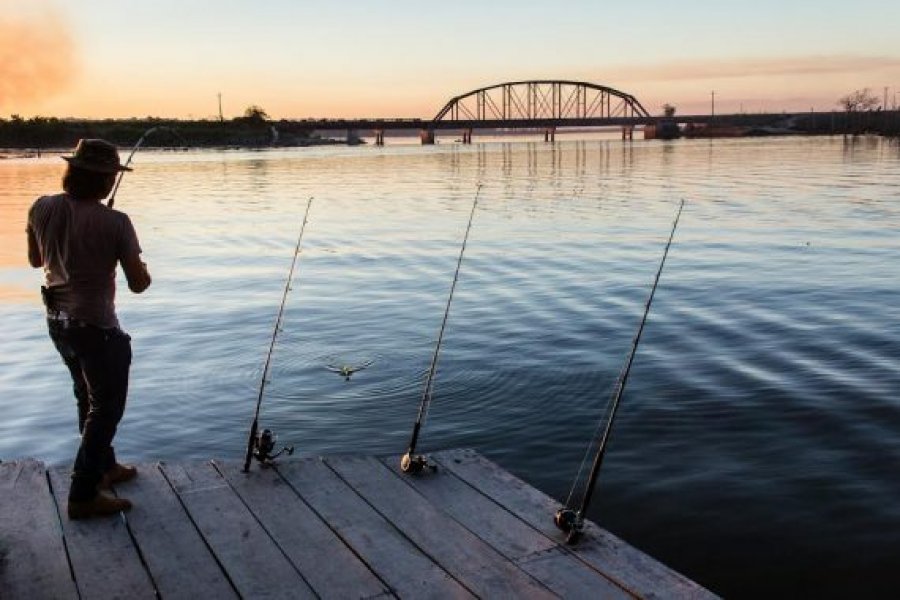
(756, 68)
(37, 59)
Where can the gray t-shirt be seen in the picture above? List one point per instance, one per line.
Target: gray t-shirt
(81, 242)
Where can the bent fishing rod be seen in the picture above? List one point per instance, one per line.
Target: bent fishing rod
(411, 463)
(261, 445)
(566, 518)
(112, 197)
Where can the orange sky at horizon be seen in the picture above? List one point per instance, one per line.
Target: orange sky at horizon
(53, 66)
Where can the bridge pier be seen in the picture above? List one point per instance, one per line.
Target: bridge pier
(467, 136)
(628, 132)
(379, 137)
(550, 134)
(426, 136)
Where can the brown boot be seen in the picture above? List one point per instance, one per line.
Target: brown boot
(99, 506)
(118, 474)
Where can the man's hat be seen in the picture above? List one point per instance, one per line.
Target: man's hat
(96, 155)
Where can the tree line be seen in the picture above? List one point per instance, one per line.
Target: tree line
(253, 128)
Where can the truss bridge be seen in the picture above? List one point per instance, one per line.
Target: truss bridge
(540, 103)
(541, 100)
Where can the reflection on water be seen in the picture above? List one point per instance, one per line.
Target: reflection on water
(41, 174)
(757, 444)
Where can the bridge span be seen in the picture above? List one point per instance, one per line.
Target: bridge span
(544, 104)
(818, 122)
(535, 104)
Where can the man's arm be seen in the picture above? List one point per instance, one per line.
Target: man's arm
(136, 273)
(130, 257)
(34, 250)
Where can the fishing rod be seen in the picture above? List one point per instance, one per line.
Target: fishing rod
(567, 519)
(112, 197)
(261, 445)
(411, 463)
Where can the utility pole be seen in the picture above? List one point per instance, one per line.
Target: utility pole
(221, 118)
(884, 106)
(713, 113)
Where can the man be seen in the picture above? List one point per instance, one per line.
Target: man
(78, 241)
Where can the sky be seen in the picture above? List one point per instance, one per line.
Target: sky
(398, 58)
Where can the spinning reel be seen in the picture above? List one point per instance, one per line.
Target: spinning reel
(570, 522)
(416, 464)
(264, 445)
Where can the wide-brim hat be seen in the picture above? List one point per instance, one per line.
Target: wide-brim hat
(96, 155)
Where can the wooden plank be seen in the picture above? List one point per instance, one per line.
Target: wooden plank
(535, 553)
(33, 562)
(460, 552)
(327, 564)
(635, 571)
(254, 563)
(569, 577)
(104, 560)
(495, 525)
(401, 565)
(178, 559)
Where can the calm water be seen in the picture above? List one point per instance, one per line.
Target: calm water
(758, 443)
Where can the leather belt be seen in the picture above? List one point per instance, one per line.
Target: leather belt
(61, 316)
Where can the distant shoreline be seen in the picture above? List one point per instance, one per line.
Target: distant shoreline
(42, 134)
(12, 152)
(23, 138)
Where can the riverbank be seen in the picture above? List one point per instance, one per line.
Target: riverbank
(30, 137)
(854, 123)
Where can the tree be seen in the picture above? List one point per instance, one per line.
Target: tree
(668, 110)
(255, 113)
(859, 100)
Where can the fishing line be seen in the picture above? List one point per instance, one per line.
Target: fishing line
(261, 445)
(415, 464)
(112, 197)
(587, 450)
(566, 518)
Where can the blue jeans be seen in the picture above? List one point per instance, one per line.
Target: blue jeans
(98, 360)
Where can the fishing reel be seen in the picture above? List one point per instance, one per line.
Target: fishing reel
(264, 446)
(568, 521)
(416, 464)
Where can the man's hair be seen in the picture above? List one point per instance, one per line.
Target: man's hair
(82, 184)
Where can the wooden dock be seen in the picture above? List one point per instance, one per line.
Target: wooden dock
(333, 527)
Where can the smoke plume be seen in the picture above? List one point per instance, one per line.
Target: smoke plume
(37, 60)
